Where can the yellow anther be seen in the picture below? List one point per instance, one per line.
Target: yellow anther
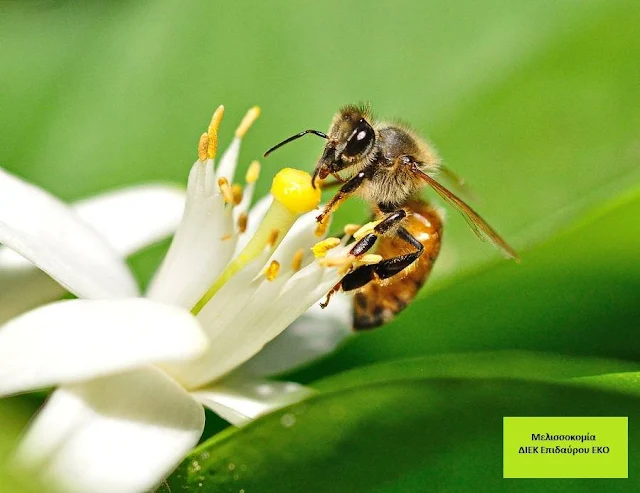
(253, 173)
(212, 132)
(366, 229)
(321, 228)
(272, 271)
(236, 191)
(225, 190)
(321, 248)
(227, 237)
(273, 237)
(203, 145)
(350, 229)
(242, 222)
(342, 264)
(292, 188)
(296, 263)
(251, 116)
(370, 258)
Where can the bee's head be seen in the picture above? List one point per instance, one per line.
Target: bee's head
(350, 140)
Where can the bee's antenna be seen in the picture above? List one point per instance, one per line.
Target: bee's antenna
(294, 137)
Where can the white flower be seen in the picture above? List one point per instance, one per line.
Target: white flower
(133, 373)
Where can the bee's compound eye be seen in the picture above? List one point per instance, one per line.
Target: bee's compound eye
(360, 139)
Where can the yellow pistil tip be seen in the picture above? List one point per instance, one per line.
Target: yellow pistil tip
(253, 173)
(296, 263)
(212, 132)
(236, 191)
(366, 229)
(273, 270)
(203, 145)
(225, 190)
(251, 116)
(292, 188)
(321, 248)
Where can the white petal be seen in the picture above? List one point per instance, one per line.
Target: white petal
(202, 245)
(128, 219)
(76, 340)
(133, 218)
(240, 329)
(228, 162)
(239, 400)
(122, 433)
(49, 234)
(316, 333)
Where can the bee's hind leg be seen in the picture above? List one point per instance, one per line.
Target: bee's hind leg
(384, 269)
(364, 244)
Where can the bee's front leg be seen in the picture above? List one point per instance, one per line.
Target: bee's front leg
(343, 194)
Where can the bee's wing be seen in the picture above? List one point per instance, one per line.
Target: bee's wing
(457, 182)
(479, 225)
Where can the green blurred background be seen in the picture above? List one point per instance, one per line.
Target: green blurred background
(536, 104)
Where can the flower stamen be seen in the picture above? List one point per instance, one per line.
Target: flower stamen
(321, 248)
(273, 237)
(253, 173)
(366, 229)
(212, 132)
(242, 222)
(296, 263)
(369, 259)
(236, 191)
(293, 195)
(272, 271)
(350, 229)
(250, 117)
(225, 190)
(321, 228)
(203, 145)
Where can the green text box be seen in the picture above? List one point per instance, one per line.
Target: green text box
(565, 447)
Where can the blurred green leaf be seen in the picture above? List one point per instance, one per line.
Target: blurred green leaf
(575, 295)
(443, 435)
(498, 364)
(627, 382)
(14, 414)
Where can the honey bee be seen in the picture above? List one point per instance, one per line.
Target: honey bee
(388, 165)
